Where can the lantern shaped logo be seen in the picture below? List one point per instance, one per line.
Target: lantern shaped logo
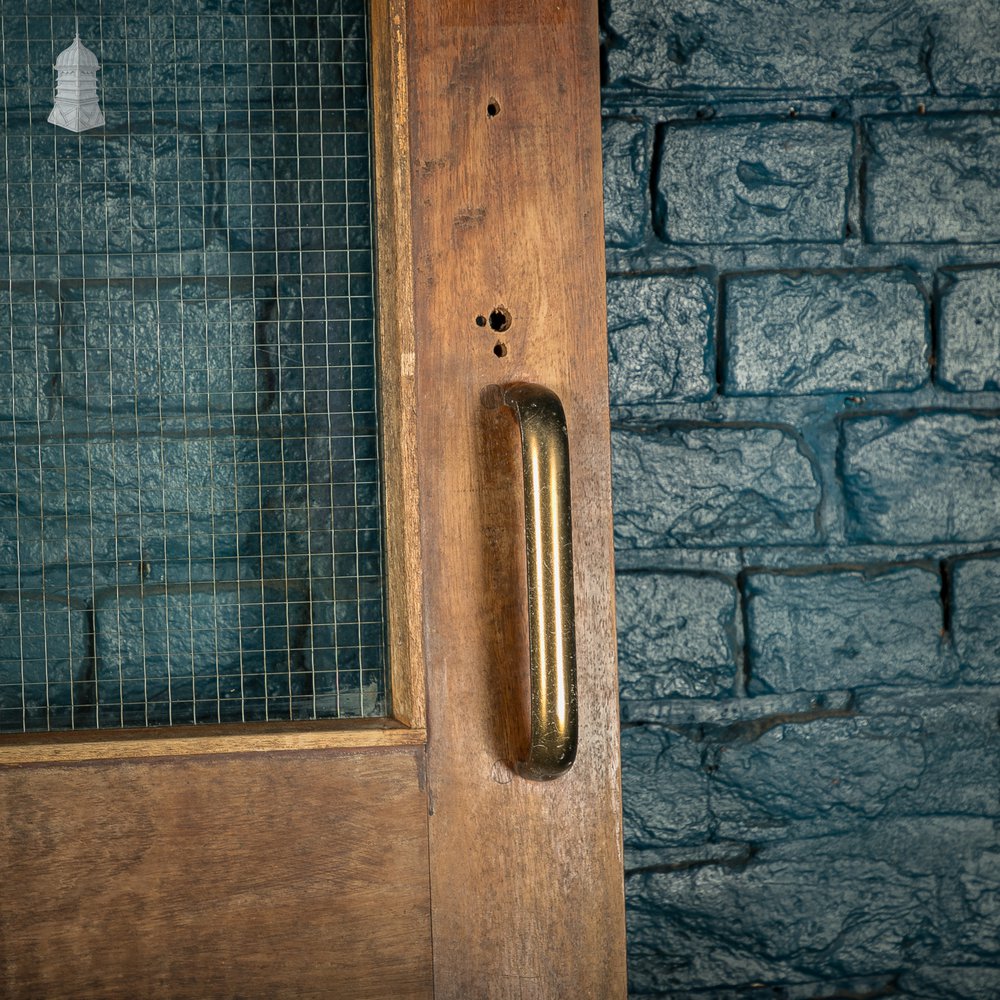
(76, 106)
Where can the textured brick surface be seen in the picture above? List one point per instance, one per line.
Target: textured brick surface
(755, 182)
(930, 477)
(933, 179)
(660, 339)
(805, 333)
(969, 358)
(968, 980)
(782, 47)
(147, 347)
(975, 618)
(828, 773)
(627, 151)
(676, 635)
(863, 895)
(179, 656)
(45, 643)
(29, 332)
(711, 486)
(819, 631)
(826, 826)
(106, 501)
(665, 791)
(107, 194)
(964, 58)
(805, 811)
(106, 478)
(794, 49)
(771, 46)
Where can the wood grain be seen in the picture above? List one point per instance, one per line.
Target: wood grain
(526, 877)
(186, 741)
(397, 399)
(279, 875)
(267, 874)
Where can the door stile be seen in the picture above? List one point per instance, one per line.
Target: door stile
(526, 877)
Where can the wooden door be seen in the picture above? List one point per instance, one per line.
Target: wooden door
(399, 857)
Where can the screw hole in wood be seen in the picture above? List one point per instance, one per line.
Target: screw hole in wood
(499, 319)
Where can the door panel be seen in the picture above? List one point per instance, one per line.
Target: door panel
(252, 875)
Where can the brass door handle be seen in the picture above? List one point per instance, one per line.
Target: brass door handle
(548, 536)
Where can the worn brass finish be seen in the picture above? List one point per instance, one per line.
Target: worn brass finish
(548, 534)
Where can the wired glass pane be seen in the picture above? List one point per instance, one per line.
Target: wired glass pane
(190, 527)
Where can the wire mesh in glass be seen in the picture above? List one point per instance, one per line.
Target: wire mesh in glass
(190, 526)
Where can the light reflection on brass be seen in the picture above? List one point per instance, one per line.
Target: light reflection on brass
(549, 548)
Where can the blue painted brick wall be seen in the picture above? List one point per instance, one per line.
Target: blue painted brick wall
(802, 208)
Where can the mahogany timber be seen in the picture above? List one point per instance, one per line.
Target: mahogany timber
(258, 875)
(526, 877)
(186, 741)
(397, 398)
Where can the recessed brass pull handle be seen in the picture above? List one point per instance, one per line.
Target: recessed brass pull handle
(548, 536)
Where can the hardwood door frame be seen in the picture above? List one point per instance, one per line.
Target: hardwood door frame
(507, 213)
(488, 197)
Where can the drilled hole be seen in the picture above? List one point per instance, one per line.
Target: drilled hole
(493, 108)
(480, 321)
(500, 350)
(499, 319)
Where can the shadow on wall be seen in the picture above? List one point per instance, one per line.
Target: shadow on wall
(803, 241)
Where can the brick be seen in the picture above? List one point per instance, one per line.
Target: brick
(840, 629)
(665, 791)
(628, 150)
(773, 46)
(187, 498)
(958, 736)
(106, 477)
(29, 330)
(204, 653)
(888, 786)
(756, 182)
(320, 348)
(954, 729)
(925, 478)
(894, 753)
(43, 661)
(969, 355)
(230, 502)
(933, 179)
(799, 333)
(681, 485)
(816, 775)
(147, 347)
(964, 58)
(804, 910)
(975, 618)
(101, 196)
(660, 339)
(112, 550)
(677, 635)
(956, 981)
